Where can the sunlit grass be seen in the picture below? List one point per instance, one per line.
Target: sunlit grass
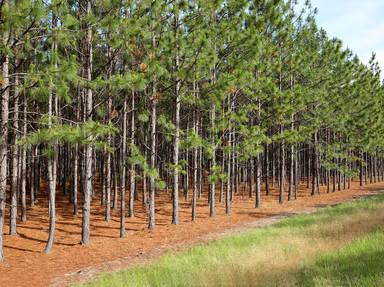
(271, 256)
(359, 263)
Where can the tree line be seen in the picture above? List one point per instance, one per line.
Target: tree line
(142, 96)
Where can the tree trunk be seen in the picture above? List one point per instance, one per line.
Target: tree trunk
(266, 159)
(291, 167)
(229, 161)
(75, 179)
(152, 185)
(51, 183)
(144, 199)
(314, 165)
(175, 195)
(85, 234)
(23, 167)
(258, 181)
(3, 140)
(282, 168)
(251, 177)
(15, 161)
(123, 168)
(116, 180)
(132, 171)
(212, 211)
(195, 156)
(108, 164)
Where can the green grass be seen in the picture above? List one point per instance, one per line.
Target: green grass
(289, 253)
(360, 263)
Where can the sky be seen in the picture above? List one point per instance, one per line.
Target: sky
(358, 23)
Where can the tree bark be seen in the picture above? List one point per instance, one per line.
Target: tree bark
(132, 171)
(23, 168)
(123, 168)
(51, 183)
(4, 140)
(175, 195)
(282, 168)
(85, 234)
(266, 159)
(15, 161)
(152, 185)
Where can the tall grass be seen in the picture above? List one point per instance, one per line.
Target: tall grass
(271, 256)
(360, 263)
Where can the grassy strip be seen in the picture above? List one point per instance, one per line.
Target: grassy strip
(269, 256)
(359, 263)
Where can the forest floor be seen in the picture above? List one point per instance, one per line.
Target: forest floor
(69, 262)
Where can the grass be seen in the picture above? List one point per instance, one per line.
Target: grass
(289, 253)
(359, 263)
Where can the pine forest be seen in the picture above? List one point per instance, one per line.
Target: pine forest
(122, 107)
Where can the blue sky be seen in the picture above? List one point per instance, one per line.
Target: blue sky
(358, 23)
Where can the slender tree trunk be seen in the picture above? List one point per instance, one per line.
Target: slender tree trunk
(258, 164)
(102, 170)
(282, 168)
(108, 164)
(186, 176)
(123, 168)
(23, 168)
(314, 165)
(309, 166)
(52, 184)
(266, 159)
(152, 185)
(291, 165)
(175, 209)
(334, 172)
(339, 175)
(32, 188)
(229, 161)
(212, 185)
(195, 156)
(296, 168)
(201, 176)
(144, 199)
(370, 159)
(212, 211)
(75, 178)
(15, 161)
(116, 180)
(229, 182)
(273, 161)
(175, 195)
(233, 174)
(63, 171)
(3, 139)
(258, 181)
(51, 161)
(366, 168)
(85, 234)
(251, 177)
(132, 171)
(33, 179)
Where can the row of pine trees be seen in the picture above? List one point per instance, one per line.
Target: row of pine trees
(195, 97)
